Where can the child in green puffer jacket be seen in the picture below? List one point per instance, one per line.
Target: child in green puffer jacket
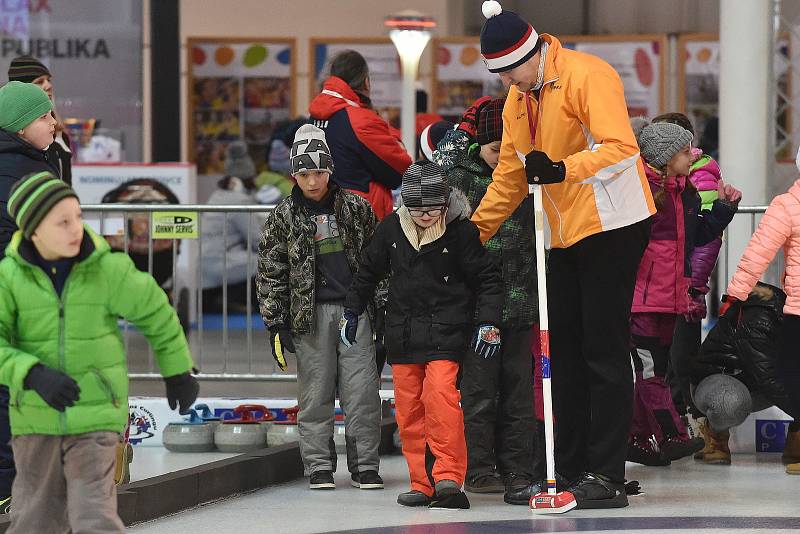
(63, 359)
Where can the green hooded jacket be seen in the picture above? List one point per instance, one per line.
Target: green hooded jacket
(79, 335)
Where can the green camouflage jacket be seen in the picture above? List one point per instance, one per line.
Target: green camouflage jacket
(513, 245)
(285, 278)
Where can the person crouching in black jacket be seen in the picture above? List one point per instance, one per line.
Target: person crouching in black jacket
(439, 276)
(738, 372)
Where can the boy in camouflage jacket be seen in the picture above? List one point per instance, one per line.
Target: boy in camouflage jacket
(497, 394)
(308, 255)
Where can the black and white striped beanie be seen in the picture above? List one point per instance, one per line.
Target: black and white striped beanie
(424, 184)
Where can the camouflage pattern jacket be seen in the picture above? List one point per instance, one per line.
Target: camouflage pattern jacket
(513, 245)
(286, 257)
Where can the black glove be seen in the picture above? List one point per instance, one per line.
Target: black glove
(57, 389)
(348, 327)
(281, 341)
(486, 342)
(181, 390)
(541, 170)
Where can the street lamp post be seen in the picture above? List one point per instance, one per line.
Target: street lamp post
(410, 33)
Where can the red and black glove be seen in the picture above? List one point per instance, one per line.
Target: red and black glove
(727, 302)
(469, 120)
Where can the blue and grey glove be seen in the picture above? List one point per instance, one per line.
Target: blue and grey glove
(348, 327)
(486, 342)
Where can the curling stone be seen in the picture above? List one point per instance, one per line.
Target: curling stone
(240, 434)
(190, 435)
(207, 415)
(284, 431)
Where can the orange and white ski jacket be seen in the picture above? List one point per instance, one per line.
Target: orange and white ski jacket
(581, 119)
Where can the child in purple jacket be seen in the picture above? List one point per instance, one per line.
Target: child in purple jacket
(658, 435)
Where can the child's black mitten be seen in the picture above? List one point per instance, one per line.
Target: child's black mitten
(181, 390)
(57, 389)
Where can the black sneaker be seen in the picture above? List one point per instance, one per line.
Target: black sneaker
(413, 498)
(366, 480)
(448, 496)
(485, 483)
(5, 505)
(677, 447)
(645, 453)
(596, 491)
(321, 480)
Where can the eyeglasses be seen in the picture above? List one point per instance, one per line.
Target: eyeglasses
(430, 212)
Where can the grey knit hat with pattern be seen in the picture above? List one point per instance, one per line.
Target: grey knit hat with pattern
(660, 141)
(424, 184)
(724, 400)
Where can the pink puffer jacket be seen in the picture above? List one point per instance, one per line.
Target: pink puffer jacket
(780, 227)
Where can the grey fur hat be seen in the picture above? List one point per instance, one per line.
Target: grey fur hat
(724, 400)
(238, 162)
(659, 141)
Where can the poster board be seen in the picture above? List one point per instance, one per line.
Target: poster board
(239, 89)
(698, 83)
(460, 75)
(384, 70)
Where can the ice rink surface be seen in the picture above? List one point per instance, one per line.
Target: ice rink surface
(752, 495)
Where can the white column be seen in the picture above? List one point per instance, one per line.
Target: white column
(746, 124)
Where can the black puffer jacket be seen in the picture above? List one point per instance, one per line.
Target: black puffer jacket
(745, 343)
(433, 292)
(18, 158)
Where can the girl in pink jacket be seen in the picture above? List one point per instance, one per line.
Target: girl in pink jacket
(705, 175)
(658, 435)
(779, 228)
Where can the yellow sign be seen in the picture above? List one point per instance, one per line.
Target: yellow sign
(175, 225)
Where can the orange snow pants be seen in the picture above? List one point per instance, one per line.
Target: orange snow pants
(431, 423)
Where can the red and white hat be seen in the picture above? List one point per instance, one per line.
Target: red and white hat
(507, 41)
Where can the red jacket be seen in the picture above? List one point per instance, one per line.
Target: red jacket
(368, 159)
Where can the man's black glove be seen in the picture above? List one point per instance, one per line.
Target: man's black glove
(181, 390)
(281, 340)
(541, 170)
(57, 389)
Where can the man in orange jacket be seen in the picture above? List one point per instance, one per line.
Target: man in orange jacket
(566, 127)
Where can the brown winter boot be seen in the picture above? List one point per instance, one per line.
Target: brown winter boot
(717, 443)
(701, 424)
(793, 469)
(791, 452)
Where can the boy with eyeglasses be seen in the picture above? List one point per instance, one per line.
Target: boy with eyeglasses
(439, 274)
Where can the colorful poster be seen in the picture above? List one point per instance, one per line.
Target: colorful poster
(701, 88)
(461, 75)
(238, 91)
(639, 65)
(384, 72)
(461, 78)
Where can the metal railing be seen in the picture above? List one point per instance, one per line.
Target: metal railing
(185, 287)
(231, 357)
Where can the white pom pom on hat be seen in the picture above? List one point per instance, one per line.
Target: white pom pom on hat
(491, 8)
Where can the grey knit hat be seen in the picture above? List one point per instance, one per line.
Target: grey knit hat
(238, 162)
(424, 184)
(638, 124)
(659, 141)
(724, 400)
(310, 151)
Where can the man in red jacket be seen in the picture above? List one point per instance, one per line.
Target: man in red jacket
(370, 160)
